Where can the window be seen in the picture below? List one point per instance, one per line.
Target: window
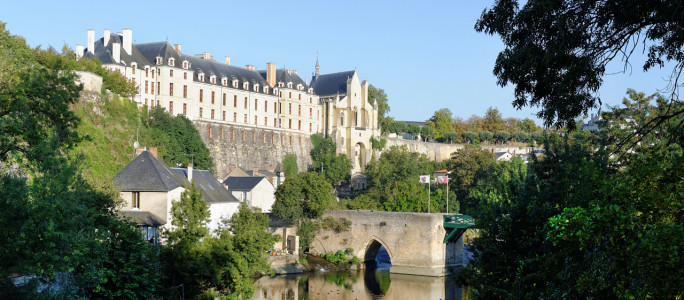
(159, 60)
(145, 101)
(133, 68)
(265, 106)
(275, 122)
(172, 61)
(224, 116)
(290, 95)
(185, 65)
(256, 104)
(275, 107)
(245, 103)
(224, 99)
(235, 101)
(152, 87)
(265, 121)
(213, 80)
(185, 109)
(152, 102)
(201, 95)
(255, 121)
(309, 127)
(245, 119)
(171, 107)
(200, 112)
(290, 108)
(147, 72)
(152, 73)
(310, 100)
(289, 124)
(299, 125)
(299, 110)
(232, 134)
(213, 94)
(171, 89)
(136, 200)
(185, 75)
(220, 133)
(146, 82)
(310, 112)
(185, 91)
(170, 73)
(300, 96)
(234, 117)
(210, 133)
(212, 113)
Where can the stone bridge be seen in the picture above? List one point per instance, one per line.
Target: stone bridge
(414, 241)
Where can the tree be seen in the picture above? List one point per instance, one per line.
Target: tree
(189, 216)
(493, 121)
(512, 125)
(303, 196)
(427, 132)
(520, 137)
(290, 164)
(469, 137)
(443, 122)
(468, 165)
(178, 140)
(379, 95)
(397, 127)
(335, 168)
(486, 136)
(563, 75)
(475, 123)
(502, 136)
(528, 126)
(450, 136)
(413, 130)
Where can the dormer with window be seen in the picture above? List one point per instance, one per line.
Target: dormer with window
(186, 64)
(224, 81)
(310, 90)
(275, 91)
(245, 85)
(160, 60)
(133, 67)
(300, 87)
(212, 79)
(172, 62)
(281, 84)
(235, 83)
(200, 77)
(265, 89)
(289, 85)
(256, 87)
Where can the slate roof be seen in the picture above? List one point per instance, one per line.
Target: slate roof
(104, 53)
(276, 222)
(265, 173)
(285, 76)
(144, 218)
(212, 67)
(331, 84)
(212, 190)
(151, 50)
(146, 174)
(242, 183)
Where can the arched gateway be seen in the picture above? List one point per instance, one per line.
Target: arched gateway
(417, 243)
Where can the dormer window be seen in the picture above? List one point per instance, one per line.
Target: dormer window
(310, 90)
(300, 87)
(224, 81)
(160, 60)
(172, 61)
(256, 87)
(212, 79)
(245, 86)
(200, 77)
(186, 64)
(281, 84)
(235, 83)
(265, 90)
(289, 85)
(275, 91)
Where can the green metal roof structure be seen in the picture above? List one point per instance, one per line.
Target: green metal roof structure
(456, 225)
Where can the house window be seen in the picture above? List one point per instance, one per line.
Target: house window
(147, 72)
(265, 121)
(152, 87)
(185, 75)
(201, 95)
(185, 109)
(255, 120)
(185, 91)
(289, 124)
(210, 132)
(213, 80)
(256, 104)
(220, 133)
(133, 69)
(290, 95)
(299, 125)
(152, 73)
(234, 117)
(152, 102)
(171, 107)
(172, 62)
(245, 103)
(309, 127)
(159, 60)
(265, 106)
(200, 112)
(146, 82)
(213, 94)
(310, 112)
(224, 116)
(232, 134)
(245, 119)
(224, 99)
(275, 122)
(212, 113)
(275, 107)
(170, 73)
(234, 100)
(310, 100)
(171, 89)
(299, 110)
(290, 109)
(300, 96)
(185, 65)
(136, 200)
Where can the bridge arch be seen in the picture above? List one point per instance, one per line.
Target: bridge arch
(372, 248)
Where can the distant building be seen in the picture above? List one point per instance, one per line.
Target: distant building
(257, 192)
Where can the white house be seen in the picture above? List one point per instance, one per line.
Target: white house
(258, 192)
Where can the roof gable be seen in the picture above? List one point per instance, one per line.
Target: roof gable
(331, 84)
(235, 183)
(146, 174)
(212, 190)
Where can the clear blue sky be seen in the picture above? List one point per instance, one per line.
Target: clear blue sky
(424, 54)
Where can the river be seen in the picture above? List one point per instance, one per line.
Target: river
(372, 283)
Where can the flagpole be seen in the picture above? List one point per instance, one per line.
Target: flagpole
(447, 183)
(428, 193)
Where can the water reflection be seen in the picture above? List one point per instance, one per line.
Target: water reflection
(364, 284)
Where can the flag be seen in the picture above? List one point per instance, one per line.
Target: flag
(424, 178)
(442, 179)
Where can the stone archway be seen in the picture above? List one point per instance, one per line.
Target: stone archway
(372, 249)
(360, 156)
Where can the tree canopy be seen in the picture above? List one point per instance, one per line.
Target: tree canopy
(335, 168)
(303, 196)
(556, 52)
(379, 95)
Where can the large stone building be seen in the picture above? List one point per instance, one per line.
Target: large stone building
(235, 104)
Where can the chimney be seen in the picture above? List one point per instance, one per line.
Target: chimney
(207, 55)
(271, 74)
(227, 60)
(249, 67)
(128, 40)
(79, 51)
(177, 47)
(255, 172)
(140, 150)
(190, 172)
(153, 151)
(271, 169)
(91, 41)
(106, 36)
(116, 52)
